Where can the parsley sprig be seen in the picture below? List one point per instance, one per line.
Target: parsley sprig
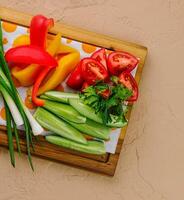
(111, 108)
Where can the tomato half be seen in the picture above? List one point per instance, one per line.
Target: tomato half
(100, 56)
(75, 79)
(128, 81)
(121, 61)
(93, 71)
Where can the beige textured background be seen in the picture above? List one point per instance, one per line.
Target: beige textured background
(151, 165)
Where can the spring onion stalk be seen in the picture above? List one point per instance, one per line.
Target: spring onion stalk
(35, 126)
(16, 137)
(58, 126)
(64, 111)
(4, 70)
(59, 96)
(92, 147)
(12, 106)
(10, 135)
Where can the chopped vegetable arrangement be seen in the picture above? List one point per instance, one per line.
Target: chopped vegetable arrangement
(102, 84)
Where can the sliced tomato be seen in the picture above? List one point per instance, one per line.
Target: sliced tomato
(128, 81)
(93, 71)
(75, 79)
(100, 56)
(121, 61)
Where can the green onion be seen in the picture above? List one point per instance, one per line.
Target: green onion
(16, 137)
(10, 136)
(8, 89)
(12, 106)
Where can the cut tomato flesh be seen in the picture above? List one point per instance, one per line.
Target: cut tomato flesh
(129, 82)
(121, 61)
(93, 71)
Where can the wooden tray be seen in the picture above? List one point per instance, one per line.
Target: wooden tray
(103, 164)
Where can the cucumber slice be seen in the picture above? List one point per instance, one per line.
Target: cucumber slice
(85, 110)
(59, 96)
(58, 126)
(92, 147)
(64, 111)
(93, 128)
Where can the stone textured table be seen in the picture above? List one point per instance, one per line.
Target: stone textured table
(151, 165)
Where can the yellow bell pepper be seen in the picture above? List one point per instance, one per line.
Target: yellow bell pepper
(27, 76)
(21, 40)
(65, 66)
(63, 49)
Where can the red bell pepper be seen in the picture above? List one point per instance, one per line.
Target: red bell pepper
(41, 76)
(30, 55)
(33, 55)
(38, 30)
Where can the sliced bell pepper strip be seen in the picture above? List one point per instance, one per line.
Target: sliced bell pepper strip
(27, 76)
(30, 54)
(21, 40)
(65, 66)
(38, 30)
(64, 49)
(41, 76)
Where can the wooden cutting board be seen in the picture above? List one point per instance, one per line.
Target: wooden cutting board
(105, 164)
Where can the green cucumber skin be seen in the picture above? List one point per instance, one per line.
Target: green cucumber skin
(62, 97)
(58, 126)
(117, 125)
(92, 147)
(93, 128)
(85, 110)
(64, 111)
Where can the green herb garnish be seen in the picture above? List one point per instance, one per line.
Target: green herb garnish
(111, 108)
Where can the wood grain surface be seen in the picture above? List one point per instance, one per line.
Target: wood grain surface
(103, 164)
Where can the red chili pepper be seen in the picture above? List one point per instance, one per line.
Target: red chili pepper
(38, 30)
(30, 55)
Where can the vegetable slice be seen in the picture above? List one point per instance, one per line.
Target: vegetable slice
(64, 111)
(59, 96)
(85, 110)
(129, 82)
(119, 61)
(38, 30)
(93, 128)
(30, 55)
(92, 147)
(100, 56)
(58, 126)
(93, 71)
